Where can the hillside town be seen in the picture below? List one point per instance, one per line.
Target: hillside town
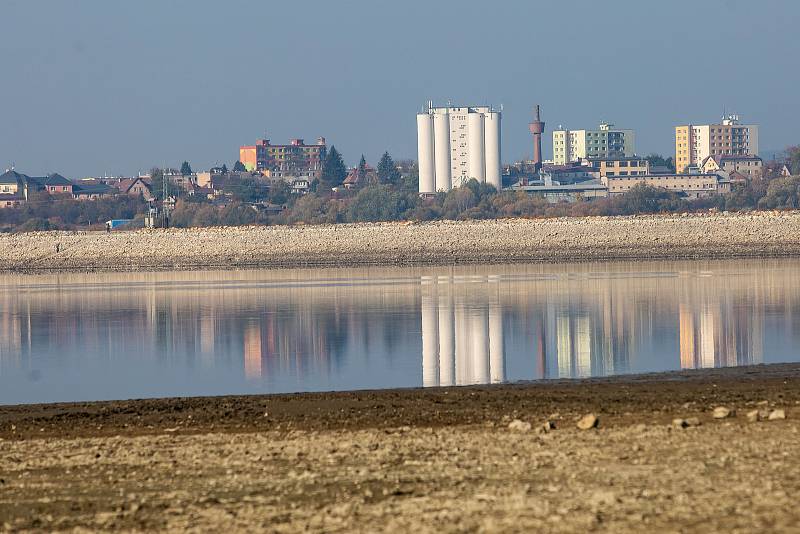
(459, 148)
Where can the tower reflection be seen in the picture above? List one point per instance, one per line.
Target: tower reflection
(462, 331)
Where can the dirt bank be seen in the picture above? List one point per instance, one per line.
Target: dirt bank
(763, 234)
(427, 460)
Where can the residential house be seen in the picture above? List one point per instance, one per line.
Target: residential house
(13, 189)
(136, 187)
(91, 189)
(358, 178)
(55, 184)
(748, 165)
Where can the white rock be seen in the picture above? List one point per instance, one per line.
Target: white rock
(679, 423)
(693, 421)
(721, 412)
(776, 415)
(588, 421)
(519, 426)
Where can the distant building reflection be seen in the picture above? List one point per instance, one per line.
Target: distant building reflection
(720, 334)
(527, 322)
(462, 331)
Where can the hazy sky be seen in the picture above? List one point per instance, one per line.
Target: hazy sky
(93, 87)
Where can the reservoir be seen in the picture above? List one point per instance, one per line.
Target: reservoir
(102, 336)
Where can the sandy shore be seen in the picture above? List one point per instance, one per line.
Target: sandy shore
(706, 236)
(426, 460)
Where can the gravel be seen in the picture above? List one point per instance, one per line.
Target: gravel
(717, 235)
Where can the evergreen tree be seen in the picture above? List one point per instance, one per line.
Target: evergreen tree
(239, 167)
(333, 170)
(186, 169)
(224, 169)
(362, 167)
(387, 170)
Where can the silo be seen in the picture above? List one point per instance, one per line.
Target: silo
(475, 145)
(497, 357)
(447, 347)
(430, 336)
(479, 332)
(441, 131)
(425, 153)
(492, 133)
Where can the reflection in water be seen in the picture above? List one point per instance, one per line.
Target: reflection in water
(94, 336)
(462, 331)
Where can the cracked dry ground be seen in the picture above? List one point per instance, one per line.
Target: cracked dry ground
(426, 460)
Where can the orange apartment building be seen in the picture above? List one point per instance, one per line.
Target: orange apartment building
(296, 159)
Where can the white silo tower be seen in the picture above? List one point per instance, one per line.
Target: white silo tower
(492, 149)
(441, 130)
(475, 146)
(425, 151)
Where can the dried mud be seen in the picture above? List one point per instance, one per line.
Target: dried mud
(427, 460)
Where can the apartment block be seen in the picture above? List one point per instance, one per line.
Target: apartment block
(294, 159)
(694, 143)
(605, 142)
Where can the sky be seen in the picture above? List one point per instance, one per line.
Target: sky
(93, 87)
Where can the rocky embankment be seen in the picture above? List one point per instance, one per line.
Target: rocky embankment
(719, 235)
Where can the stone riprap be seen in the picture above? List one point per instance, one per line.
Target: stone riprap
(706, 236)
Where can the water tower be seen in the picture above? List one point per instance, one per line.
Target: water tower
(537, 129)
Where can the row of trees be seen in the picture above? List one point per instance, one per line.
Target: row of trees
(46, 212)
(474, 200)
(390, 197)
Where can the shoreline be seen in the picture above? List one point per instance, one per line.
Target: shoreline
(312, 410)
(441, 243)
(449, 459)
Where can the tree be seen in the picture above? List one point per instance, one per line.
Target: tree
(186, 169)
(643, 198)
(279, 192)
(387, 170)
(239, 167)
(333, 170)
(224, 169)
(362, 169)
(657, 160)
(793, 159)
(376, 203)
(457, 201)
(782, 193)
(247, 190)
(410, 181)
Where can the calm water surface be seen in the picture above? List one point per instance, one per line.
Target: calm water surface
(115, 336)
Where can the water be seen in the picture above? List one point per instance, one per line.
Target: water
(77, 337)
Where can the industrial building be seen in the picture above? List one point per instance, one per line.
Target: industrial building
(456, 144)
(694, 143)
(690, 185)
(606, 142)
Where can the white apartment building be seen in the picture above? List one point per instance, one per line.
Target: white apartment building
(694, 143)
(605, 142)
(456, 144)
